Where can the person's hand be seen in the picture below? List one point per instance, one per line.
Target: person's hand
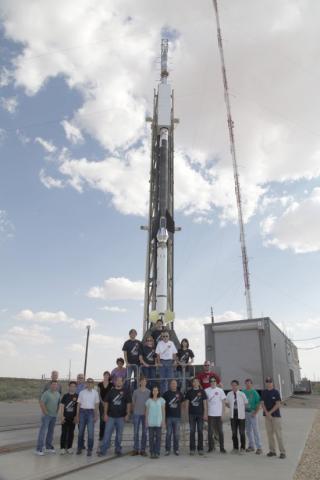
(76, 420)
(163, 425)
(253, 414)
(105, 418)
(95, 417)
(63, 420)
(205, 417)
(126, 417)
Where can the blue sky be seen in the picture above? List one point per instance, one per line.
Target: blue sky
(74, 173)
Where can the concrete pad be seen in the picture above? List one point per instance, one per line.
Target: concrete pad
(296, 426)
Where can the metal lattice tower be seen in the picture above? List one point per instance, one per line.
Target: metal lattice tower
(158, 298)
(235, 168)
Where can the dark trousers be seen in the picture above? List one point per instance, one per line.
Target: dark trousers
(86, 420)
(154, 440)
(238, 424)
(102, 422)
(215, 431)
(196, 423)
(67, 433)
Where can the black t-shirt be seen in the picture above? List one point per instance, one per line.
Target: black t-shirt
(156, 335)
(132, 347)
(173, 403)
(269, 398)
(148, 354)
(117, 402)
(184, 356)
(69, 400)
(104, 390)
(196, 399)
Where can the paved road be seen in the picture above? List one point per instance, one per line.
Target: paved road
(25, 465)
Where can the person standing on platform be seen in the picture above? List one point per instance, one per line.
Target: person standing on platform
(271, 403)
(216, 406)
(87, 415)
(131, 350)
(103, 388)
(119, 372)
(54, 378)
(166, 357)
(173, 399)
(157, 332)
(148, 359)
(49, 404)
(206, 374)
(155, 421)
(237, 402)
(252, 410)
(117, 407)
(139, 398)
(185, 358)
(196, 404)
(68, 413)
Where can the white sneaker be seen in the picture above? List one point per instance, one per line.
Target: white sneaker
(50, 450)
(39, 452)
(70, 450)
(63, 451)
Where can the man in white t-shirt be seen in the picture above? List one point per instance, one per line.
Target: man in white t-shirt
(166, 356)
(87, 415)
(216, 405)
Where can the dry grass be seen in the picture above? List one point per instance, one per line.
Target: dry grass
(309, 465)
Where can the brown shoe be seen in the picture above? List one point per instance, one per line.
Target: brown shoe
(134, 453)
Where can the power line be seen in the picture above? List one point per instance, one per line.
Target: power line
(308, 348)
(305, 339)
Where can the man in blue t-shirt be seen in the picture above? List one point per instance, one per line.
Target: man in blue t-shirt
(271, 402)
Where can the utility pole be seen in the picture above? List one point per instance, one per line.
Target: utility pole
(86, 354)
(212, 317)
(235, 167)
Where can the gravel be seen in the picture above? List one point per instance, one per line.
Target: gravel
(309, 465)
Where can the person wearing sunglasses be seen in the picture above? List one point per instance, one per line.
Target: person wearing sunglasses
(148, 359)
(206, 374)
(166, 357)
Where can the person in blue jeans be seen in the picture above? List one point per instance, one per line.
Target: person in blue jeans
(49, 404)
(252, 420)
(139, 398)
(87, 415)
(166, 357)
(173, 399)
(155, 421)
(131, 351)
(117, 409)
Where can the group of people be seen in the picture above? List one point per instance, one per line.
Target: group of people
(158, 404)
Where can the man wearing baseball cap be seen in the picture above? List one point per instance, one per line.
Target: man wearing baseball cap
(271, 402)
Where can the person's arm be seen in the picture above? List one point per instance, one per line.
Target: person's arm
(142, 362)
(223, 407)
(205, 412)
(105, 406)
(258, 406)
(125, 356)
(128, 411)
(43, 407)
(78, 412)
(275, 407)
(227, 403)
(147, 415)
(163, 410)
(96, 408)
(62, 418)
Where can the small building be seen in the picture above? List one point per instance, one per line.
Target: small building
(253, 349)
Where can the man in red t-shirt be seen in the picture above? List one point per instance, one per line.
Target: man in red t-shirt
(206, 374)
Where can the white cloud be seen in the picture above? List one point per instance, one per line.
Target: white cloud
(46, 144)
(6, 226)
(274, 131)
(23, 138)
(296, 228)
(50, 182)
(76, 347)
(9, 104)
(3, 135)
(7, 348)
(6, 76)
(54, 318)
(73, 133)
(114, 309)
(106, 340)
(33, 335)
(118, 288)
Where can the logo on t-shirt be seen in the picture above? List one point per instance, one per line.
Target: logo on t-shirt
(150, 355)
(216, 393)
(135, 349)
(117, 400)
(174, 402)
(196, 400)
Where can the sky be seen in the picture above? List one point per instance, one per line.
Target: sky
(77, 81)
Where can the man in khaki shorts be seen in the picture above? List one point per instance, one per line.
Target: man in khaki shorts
(271, 402)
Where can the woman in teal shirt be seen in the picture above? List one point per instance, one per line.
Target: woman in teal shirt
(155, 420)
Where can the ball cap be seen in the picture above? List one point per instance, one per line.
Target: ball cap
(248, 380)
(269, 380)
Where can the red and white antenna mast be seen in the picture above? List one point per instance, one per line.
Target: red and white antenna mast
(235, 167)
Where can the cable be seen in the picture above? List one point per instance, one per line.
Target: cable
(308, 348)
(305, 339)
